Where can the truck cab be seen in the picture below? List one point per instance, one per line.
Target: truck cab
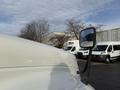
(72, 46)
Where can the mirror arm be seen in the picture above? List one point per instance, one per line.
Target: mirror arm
(88, 61)
(86, 71)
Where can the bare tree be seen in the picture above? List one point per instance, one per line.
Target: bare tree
(59, 40)
(75, 26)
(36, 30)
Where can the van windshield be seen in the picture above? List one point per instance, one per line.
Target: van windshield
(83, 49)
(68, 48)
(100, 48)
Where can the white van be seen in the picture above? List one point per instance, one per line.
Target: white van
(107, 51)
(83, 53)
(28, 65)
(72, 46)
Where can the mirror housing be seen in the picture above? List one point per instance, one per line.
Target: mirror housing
(88, 37)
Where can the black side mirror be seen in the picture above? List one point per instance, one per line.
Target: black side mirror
(87, 40)
(88, 37)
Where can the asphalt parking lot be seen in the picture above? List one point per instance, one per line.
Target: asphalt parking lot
(104, 76)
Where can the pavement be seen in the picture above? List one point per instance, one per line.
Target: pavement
(103, 76)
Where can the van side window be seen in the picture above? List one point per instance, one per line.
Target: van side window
(116, 47)
(110, 48)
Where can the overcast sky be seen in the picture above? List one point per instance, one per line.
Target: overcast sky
(14, 14)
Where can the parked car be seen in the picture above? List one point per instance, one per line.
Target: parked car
(106, 51)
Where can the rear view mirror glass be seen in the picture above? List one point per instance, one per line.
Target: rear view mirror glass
(88, 38)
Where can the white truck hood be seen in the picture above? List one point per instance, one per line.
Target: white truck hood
(39, 79)
(28, 65)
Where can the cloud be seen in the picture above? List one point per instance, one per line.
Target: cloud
(112, 25)
(55, 11)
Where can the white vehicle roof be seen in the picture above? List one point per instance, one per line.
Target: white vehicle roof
(73, 41)
(17, 52)
(109, 43)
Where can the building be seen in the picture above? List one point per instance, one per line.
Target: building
(108, 35)
(101, 36)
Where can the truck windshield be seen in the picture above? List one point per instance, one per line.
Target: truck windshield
(100, 48)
